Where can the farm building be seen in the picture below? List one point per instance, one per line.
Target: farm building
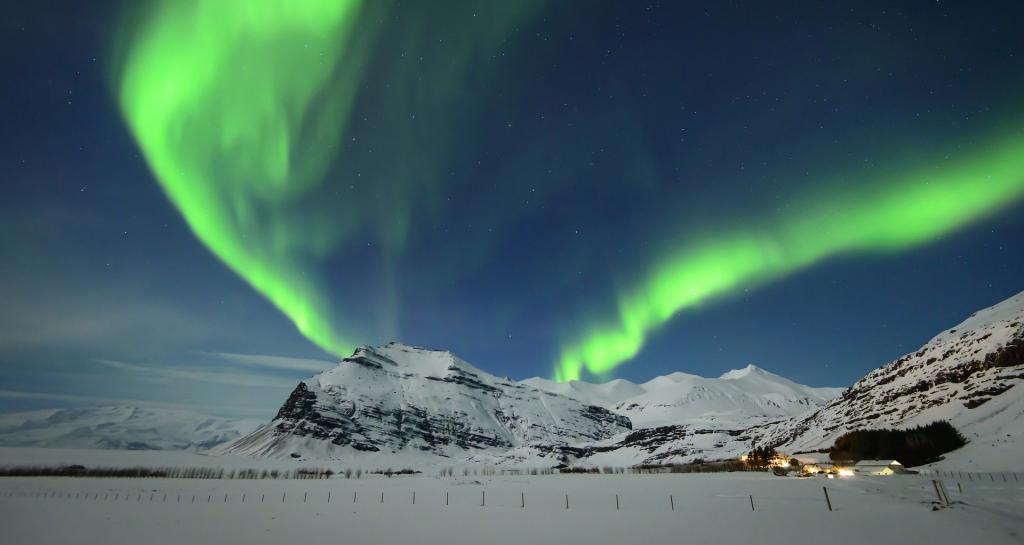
(879, 467)
(815, 462)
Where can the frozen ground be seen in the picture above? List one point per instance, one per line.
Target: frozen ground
(708, 508)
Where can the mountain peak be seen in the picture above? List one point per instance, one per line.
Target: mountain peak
(750, 369)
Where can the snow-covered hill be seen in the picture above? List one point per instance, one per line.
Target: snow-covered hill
(969, 375)
(399, 399)
(741, 397)
(126, 428)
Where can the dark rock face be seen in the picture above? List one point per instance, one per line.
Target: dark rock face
(370, 429)
(299, 404)
(606, 417)
(464, 378)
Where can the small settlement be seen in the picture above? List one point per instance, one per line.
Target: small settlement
(814, 463)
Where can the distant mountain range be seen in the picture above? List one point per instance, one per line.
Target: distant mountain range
(739, 397)
(128, 428)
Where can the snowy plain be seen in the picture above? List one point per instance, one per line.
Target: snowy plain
(652, 509)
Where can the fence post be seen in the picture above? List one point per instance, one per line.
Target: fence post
(282, 496)
(382, 496)
(752, 502)
(959, 488)
(522, 500)
(328, 497)
(938, 493)
(672, 502)
(566, 501)
(616, 502)
(483, 498)
(446, 497)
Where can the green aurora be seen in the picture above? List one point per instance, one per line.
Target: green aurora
(907, 209)
(242, 113)
(228, 107)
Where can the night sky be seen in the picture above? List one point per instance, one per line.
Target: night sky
(202, 204)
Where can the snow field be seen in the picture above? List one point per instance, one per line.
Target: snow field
(707, 509)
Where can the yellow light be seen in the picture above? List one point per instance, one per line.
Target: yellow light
(846, 472)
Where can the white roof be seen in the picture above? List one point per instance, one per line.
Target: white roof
(874, 463)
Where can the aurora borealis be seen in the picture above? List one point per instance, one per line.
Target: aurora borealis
(238, 113)
(576, 190)
(912, 208)
(224, 103)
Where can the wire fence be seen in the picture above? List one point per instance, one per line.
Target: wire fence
(931, 487)
(976, 476)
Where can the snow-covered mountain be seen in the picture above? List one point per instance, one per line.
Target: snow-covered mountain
(422, 407)
(399, 399)
(968, 375)
(416, 403)
(131, 428)
(741, 397)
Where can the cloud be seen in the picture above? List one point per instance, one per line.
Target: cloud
(276, 362)
(166, 373)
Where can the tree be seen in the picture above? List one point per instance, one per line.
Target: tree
(911, 447)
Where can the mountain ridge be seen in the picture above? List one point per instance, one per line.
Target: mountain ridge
(120, 427)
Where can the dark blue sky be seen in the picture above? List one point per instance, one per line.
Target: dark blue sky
(550, 174)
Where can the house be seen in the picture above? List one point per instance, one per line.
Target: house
(879, 467)
(815, 462)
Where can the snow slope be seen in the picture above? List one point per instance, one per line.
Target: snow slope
(131, 428)
(969, 375)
